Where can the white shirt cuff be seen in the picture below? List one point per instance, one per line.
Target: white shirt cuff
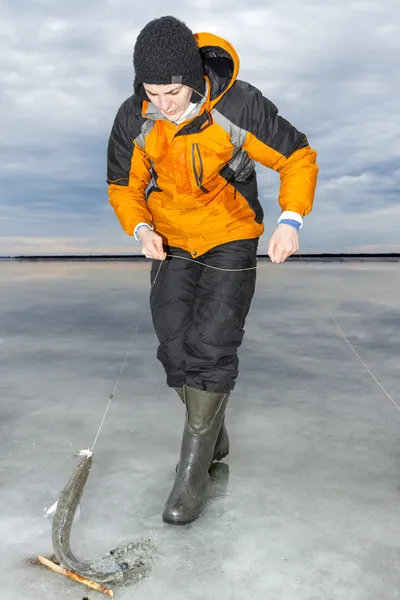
(288, 214)
(138, 227)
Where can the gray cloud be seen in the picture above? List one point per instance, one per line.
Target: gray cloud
(66, 68)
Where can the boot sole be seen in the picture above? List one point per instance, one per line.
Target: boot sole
(175, 522)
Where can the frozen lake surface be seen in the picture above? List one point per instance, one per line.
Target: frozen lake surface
(307, 504)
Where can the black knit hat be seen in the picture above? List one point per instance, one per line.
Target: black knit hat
(166, 52)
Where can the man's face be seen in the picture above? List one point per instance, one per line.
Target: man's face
(172, 99)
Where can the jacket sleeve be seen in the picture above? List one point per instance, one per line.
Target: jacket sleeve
(128, 172)
(275, 143)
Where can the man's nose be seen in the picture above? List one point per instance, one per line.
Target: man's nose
(165, 103)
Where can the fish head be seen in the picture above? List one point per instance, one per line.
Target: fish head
(84, 466)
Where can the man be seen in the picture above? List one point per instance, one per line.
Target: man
(181, 175)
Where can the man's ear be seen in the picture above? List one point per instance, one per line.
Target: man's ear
(140, 92)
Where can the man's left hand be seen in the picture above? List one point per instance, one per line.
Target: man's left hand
(283, 243)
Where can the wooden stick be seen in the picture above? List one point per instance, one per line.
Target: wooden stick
(75, 576)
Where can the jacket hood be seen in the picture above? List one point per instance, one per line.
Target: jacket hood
(221, 66)
(221, 63)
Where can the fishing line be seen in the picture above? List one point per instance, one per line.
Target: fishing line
(353, 349)
(123, 365)
(216, 268)
(234, 270)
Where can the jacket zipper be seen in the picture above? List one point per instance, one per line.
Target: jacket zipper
(198, 177)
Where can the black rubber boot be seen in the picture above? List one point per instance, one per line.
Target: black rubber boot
(204, 414)
(222, 444)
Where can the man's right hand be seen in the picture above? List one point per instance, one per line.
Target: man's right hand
(152, 245)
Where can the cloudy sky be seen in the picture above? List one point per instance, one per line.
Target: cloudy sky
(65, 67)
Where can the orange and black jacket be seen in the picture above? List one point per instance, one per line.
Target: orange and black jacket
(195, 183)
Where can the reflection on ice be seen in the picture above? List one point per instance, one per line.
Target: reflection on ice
(313, 439)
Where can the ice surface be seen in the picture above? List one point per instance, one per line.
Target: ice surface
(307, 504)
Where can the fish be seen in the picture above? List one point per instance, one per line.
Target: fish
(120, 566)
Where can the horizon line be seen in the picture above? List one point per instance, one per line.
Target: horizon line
(317, 255)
